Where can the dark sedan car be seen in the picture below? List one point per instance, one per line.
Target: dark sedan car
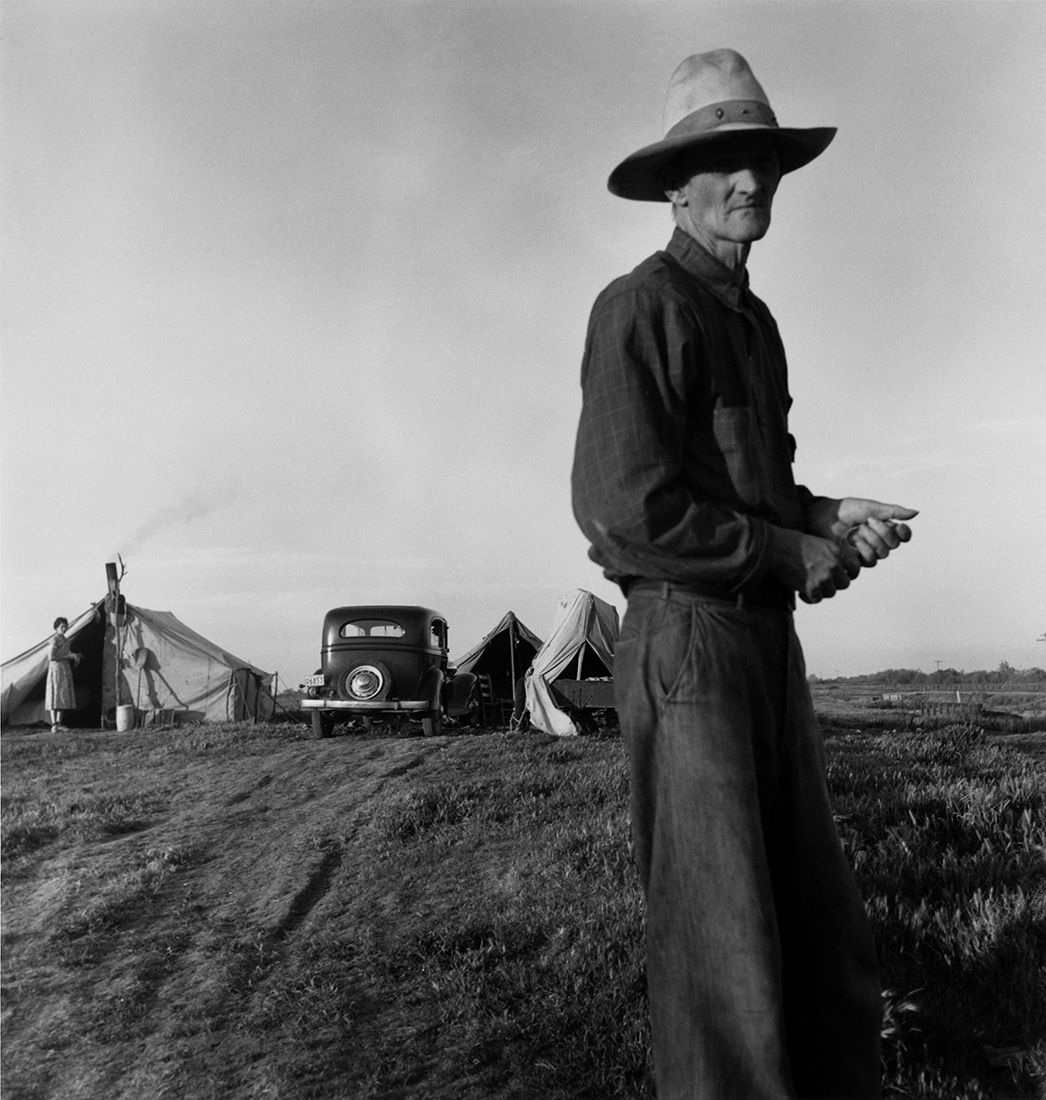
(382, 659)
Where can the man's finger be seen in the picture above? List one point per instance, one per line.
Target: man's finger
(849, 560)
(881, 533)
(878, 536)
(895, 533)
(892, 511)
(867, 544)
(865, 551)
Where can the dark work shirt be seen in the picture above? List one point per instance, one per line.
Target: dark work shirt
(683, 462)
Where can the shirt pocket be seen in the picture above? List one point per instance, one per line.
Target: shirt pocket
(739, 439)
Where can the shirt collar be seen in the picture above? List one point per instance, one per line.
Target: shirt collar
(728, 287)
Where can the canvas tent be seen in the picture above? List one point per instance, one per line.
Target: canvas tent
(504, 655)
(145, 659)
(580, 647)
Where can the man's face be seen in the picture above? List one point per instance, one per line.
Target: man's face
(730, 191)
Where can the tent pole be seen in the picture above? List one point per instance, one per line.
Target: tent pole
(119, 653)
(113, 578)
(512, 652)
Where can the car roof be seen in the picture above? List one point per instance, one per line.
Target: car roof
(402, 613)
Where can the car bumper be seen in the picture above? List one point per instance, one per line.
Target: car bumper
(371, 706)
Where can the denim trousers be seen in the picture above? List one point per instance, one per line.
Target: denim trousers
(761, 971)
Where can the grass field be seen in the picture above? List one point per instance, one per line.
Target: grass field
(242, 912)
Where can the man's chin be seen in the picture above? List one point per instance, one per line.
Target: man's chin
(751, 226)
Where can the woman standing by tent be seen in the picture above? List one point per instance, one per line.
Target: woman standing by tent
(60, 694)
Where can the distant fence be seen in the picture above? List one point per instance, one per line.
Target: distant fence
(933, 709)
(983, 707)
(972, 706)
(1031, 687)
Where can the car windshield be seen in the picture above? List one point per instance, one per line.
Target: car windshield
(372, 628)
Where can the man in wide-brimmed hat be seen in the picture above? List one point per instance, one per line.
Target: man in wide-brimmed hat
(761, 969)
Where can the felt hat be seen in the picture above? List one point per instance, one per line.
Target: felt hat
(712, 96)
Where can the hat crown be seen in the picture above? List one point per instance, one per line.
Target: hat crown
(706, 78)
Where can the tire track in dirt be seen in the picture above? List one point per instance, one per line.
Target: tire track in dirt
(319, 881)
(309, 896)
(369, 781)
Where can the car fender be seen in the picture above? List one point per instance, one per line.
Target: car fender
(456, 692)
(431, 687)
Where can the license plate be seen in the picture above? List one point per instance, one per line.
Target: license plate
(316, 681)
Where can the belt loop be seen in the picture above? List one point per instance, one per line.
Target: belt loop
(740, 601)
(666, 590)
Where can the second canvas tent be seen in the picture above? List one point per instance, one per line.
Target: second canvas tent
(504, 654)
(580, 647)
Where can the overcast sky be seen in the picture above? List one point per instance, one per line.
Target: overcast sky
(294, 297)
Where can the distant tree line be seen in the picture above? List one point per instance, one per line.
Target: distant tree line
(1004, 676)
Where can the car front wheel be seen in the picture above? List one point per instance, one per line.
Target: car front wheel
(472, 715)
(432, 723)
(322, 724)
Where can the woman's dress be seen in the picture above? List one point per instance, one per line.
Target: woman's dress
(60, 693)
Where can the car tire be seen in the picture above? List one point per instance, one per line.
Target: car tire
(432, 723)
(472, 715)
(322, 724)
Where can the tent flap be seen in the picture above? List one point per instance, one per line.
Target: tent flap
(167, 666)
(22, 697)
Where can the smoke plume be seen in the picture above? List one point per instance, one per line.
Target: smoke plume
(194, 505)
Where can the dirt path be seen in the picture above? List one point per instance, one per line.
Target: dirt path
(247, 853)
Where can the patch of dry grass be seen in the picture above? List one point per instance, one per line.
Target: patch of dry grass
(241, 911)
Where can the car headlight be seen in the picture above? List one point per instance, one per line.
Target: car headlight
(364, 682)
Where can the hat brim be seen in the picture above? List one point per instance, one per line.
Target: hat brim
(639, 176)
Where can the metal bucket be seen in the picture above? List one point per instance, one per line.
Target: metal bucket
(124, 719)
